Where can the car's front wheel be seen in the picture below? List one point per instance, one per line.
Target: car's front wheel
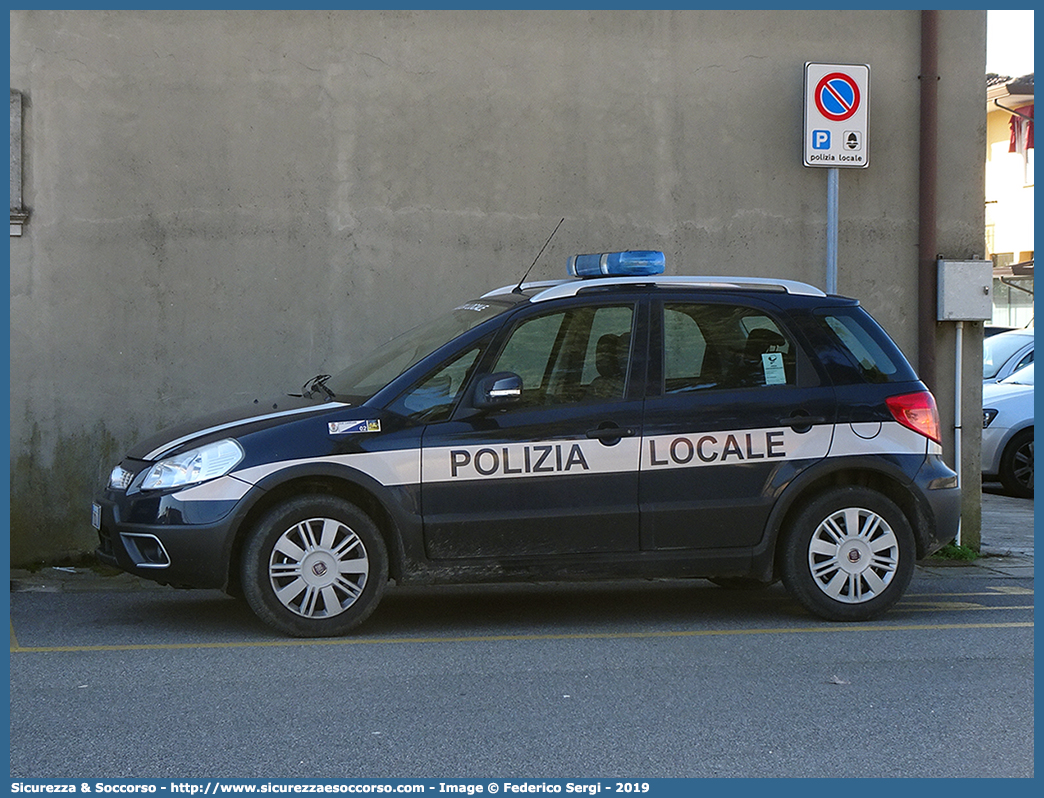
(314, 566)
(1016, 467)
(848, 555)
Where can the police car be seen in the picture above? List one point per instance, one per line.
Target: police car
(620, 423)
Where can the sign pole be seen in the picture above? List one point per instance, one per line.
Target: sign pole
(833, 188)
(836, 111)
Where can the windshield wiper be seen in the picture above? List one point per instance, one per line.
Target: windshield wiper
(317, 382)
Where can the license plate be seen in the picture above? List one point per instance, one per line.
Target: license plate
(96, 516)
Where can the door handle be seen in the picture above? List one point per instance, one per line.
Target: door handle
(800, 421)
(609, 433)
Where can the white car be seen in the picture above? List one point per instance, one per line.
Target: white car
(1005, 353)
(1007, 432)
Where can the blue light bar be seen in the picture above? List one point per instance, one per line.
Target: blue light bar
(634, 263)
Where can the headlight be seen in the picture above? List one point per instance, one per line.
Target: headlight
(197, 465)
(988, 414)
(120, 478)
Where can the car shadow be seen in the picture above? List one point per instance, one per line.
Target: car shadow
(625, 608)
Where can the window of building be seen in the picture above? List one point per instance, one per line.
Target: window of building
(1021, 125)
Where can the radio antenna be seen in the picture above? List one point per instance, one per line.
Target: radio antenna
(518, 288)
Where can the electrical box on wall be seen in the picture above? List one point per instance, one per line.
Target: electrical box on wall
(965, 290)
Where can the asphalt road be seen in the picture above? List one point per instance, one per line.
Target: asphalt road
(629, 680)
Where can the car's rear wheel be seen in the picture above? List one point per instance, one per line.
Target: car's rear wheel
(314, 566)
(1016, 466)
(848, 555)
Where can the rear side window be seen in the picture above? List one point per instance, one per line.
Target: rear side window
(707, 346)
(870, 349)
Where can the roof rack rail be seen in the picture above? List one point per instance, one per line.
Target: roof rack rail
(567, 288)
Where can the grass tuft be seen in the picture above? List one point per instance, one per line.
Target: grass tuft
(954, 551)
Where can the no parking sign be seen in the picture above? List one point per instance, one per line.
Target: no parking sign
(837, 99)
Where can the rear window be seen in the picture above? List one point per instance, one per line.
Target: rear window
(869, 348)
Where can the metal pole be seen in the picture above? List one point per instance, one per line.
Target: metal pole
(833, 183)
(957, 411)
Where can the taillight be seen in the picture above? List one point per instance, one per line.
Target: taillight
(916, 411)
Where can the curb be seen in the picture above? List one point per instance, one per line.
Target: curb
(995, 563)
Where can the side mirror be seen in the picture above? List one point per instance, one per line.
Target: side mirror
(498, 390)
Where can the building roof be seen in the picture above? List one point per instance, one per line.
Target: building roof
(1023, 85)
(1024, 269)
(1008, 90)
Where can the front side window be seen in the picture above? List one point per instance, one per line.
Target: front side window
(574, 355)
(433, 397)
(1024, 361)
(707, 346)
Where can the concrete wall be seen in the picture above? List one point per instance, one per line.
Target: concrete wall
(224, 204)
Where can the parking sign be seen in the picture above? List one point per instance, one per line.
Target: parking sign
(837, 100)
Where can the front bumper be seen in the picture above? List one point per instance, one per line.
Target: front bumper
(165, 538)
(994, 439)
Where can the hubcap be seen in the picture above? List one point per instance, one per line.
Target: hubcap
(1022, 465)
(853, 555)
(318, 568)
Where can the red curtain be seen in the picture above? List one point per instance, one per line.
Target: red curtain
(1021, 130)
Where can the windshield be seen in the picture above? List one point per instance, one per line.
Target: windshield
(998, 348)
(365, 377)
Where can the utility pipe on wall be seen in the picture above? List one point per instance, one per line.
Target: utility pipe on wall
(957, 410)
(927, 249)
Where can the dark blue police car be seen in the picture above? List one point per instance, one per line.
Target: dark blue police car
(618, 424)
